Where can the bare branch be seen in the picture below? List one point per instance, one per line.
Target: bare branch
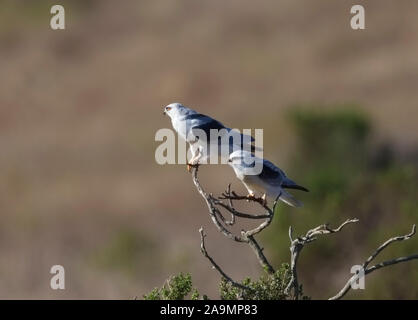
(296, 246)
(260, 228)
(236, 213)
(391, 262)
(325, 229)
(246, 236)
(387, 243)
(216, 266)
(260, 255)
(213, 211)
(231, 205)
(235, 196)
(355, 277)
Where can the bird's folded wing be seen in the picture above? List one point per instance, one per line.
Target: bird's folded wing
(271, 174)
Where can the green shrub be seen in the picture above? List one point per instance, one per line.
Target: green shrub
(176, 288)
(267, 287)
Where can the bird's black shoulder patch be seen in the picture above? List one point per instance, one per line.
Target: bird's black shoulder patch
(270, 171)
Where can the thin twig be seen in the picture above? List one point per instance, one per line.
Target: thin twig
(234, 196)
(369, 270)
(236, 213)
(231, 205)
(387, 243)
(216, 266)
(246, 236)
(213, 211)
(296, 246)
(260, 254)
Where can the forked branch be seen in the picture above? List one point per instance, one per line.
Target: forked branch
(296, 246)
(367, 270)
(225, 202)
(215, 265)
(246, 236)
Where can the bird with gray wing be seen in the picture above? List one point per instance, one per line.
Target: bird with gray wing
(191, 126)
(271, 182)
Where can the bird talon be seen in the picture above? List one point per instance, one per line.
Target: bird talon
(250, 196)
(192, 165)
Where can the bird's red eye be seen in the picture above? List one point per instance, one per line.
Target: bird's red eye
(168, 108)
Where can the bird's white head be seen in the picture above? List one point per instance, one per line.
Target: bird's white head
(175, 110)
(245, 163)
(241, 157)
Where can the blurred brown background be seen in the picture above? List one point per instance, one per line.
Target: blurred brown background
(79, 109)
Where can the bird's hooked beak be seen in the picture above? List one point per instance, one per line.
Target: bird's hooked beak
(166, 109)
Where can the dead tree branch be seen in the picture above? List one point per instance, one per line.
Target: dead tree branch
(225, 202)
(216, 266)
(213, 210)
(367, 270)
(296, 246)
(220, 222)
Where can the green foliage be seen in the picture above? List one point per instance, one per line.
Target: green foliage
(195, 295)
(267, 287)
(176, 288)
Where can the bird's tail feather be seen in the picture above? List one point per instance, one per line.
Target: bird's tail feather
(289, 184)
(290, 200)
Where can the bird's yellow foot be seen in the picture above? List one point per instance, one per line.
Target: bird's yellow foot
(250, 196)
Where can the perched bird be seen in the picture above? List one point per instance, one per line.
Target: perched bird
(271, 182)
(189, 124)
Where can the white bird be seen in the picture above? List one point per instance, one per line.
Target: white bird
(190, 125)
(270, 182)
